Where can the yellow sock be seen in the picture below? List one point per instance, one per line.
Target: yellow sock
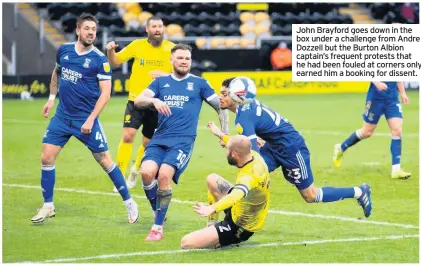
(139, 157)
(124, 153)
(213, 217)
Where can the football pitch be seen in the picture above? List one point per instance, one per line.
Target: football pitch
(91, 222)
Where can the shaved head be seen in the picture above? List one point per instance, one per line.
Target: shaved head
(238, 148)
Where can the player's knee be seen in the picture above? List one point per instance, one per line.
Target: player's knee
(186, 242)
(47, 159)
(397, 132)
(128, 136)
(211, 179)
(147, 174)
(309, 195)
(367, 133)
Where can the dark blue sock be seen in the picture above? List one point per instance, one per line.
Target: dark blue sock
(331, 194)
(396, 149)
(163, 202)
(48, 179)
(151, 193)
(351, 140)
(118, 179)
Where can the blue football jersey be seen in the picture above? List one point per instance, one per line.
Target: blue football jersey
(391, 93)
(256, 119)
(184, 97)
(79, 80)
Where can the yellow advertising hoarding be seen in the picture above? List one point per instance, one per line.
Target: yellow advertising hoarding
(280, 82)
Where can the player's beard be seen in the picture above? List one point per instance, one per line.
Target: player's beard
(181, 72)
(156, 40)
(86, 43)
(231, 160)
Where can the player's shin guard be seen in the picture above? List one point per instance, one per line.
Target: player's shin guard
(139, 157)
(396, 150)
(163, 202)
(354, 138)
(48, 179)
(151, 193)
(124, 152)
(331, 194)
(213, 218)
(118, 179)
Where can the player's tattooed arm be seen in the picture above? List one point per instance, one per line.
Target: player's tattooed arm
(54, 81)
(222, 114)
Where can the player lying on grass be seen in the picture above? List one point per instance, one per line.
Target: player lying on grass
(85, 88)
(382, 98)
(178, 99)
(245, 205)
(285, 148)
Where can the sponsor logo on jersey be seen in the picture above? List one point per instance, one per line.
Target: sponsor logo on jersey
(176, 101)
(106, 67)
(70, 75)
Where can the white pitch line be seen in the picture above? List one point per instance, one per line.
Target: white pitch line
(341, 218)
(119, 124)
(273, 244)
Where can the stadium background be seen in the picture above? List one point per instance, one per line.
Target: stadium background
(228, 39)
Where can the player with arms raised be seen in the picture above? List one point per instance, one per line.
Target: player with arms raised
(245, 205)
(285, 148)
(178, 99)
(382, 98)
(85, 88)
(151, 59)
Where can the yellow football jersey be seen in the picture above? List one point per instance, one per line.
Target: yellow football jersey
(253, 179)
(147, 58)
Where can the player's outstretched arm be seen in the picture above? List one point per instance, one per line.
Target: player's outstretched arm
(222, 114)
(53, 92)
(105, 88)
(225, 203)
(401, 88)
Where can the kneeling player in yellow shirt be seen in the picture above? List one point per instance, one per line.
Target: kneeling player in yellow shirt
(245, 205)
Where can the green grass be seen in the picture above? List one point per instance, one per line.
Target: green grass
(90, 225)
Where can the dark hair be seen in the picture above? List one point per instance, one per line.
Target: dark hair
(181, 46)
(152, 18)
(85, 17)
(227, 81)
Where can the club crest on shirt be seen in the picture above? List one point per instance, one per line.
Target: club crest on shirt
(106, 67)
(86, 63)
(190, 86)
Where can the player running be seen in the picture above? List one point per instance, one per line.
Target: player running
(85, 88)
(382, 98)
(151, 59)
(245, 205)
(284, 148)
(178, 99)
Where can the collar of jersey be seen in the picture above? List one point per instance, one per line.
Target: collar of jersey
(248, 162)
(180, 79)
(83, 53)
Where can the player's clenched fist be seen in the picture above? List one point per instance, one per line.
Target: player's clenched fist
(112, 45)
(87, 126)
(380, 86)
(162, 107)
